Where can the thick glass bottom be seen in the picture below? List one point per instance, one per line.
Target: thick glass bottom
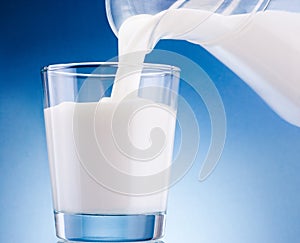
(109, 228)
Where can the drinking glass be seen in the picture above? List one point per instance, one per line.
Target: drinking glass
(110, 132)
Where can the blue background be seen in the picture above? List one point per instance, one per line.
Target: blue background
(253, 195)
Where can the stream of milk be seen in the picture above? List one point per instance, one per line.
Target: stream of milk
(263, 49)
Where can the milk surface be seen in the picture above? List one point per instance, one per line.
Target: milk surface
(80, 142)
(263, 49)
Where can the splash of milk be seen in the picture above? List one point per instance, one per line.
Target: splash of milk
(263, 50)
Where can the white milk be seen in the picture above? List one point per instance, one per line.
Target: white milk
(265, 54)
(74, 132)
(264, 50)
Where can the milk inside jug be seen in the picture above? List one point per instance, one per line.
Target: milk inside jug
(258, 40)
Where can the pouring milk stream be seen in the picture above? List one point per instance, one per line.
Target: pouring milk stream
(264, 51)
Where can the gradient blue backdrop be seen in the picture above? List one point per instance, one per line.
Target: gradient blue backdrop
(253, 195)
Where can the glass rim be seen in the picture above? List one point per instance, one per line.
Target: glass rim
(60, 68)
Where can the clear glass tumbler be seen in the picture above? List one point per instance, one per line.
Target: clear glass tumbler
(110, 132)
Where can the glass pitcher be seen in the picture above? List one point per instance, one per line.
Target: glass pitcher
(259, 40)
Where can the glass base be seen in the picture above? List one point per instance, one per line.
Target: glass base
(113, 228)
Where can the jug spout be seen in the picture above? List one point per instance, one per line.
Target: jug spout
(118, 11)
